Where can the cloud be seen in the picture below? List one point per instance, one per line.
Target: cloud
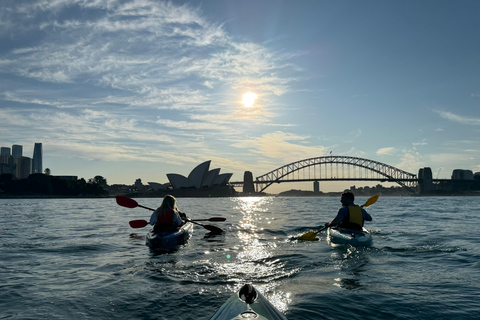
(411, 161)
(458, 118)
(386, 151)
(137, 50)
(184, 125)
(279, 145)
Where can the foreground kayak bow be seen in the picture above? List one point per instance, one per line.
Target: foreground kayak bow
(248, 303)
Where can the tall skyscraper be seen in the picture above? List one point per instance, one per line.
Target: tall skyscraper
(37, 166)
(4, 151)
(24, 167)
(17, 152)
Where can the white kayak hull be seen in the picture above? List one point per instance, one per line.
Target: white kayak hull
(349, 236)
(250, 306)
(160, 240)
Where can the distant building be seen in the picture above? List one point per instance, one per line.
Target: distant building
(4, 151)
(17, 152)
(6, 164)
(460, 174)
(37, 159)
(24, 167)
(6, 159)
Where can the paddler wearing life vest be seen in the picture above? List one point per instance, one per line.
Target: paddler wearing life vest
(167, 217)
(349, 216)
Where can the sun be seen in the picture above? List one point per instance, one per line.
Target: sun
(249, 99)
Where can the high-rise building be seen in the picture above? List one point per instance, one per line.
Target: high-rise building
(6, 161)
(17, 152)
(24, 167)
(37, 166)
(4, 151)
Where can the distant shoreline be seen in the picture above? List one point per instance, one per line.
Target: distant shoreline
(464, 194)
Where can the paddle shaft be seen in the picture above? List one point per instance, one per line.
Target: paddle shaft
(130, 203)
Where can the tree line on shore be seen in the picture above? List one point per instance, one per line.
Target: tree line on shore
(46, 185)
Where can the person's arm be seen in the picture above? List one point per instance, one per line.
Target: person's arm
(183, 216)
(177, 219)
(338, 219)
(153, 218)
(366, 216)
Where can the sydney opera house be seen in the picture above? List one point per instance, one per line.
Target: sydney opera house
(200, 178)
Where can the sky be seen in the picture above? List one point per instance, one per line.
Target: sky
(139, 89)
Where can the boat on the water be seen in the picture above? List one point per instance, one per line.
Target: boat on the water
(349, 236)
(247, 303)
(169, 239)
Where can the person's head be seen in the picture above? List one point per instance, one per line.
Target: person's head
(169, 202)
(347, 198)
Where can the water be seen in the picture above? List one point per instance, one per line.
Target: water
(79, 259)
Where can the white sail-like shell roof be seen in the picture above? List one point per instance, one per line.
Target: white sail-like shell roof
(223, 178)
(158, 186)
(178, 181)
(199, 177)
(199, 173)
(211, 177)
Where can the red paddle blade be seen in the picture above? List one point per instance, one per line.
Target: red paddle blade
(126, 202)
(138, 223)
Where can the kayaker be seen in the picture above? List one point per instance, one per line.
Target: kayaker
(350, 216)
(167, 217)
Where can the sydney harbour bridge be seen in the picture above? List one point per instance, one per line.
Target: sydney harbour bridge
(333, 168)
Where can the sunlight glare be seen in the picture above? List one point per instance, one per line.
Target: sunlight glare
(249, 99)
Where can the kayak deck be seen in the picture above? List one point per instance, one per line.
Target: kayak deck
(349, 236)
(159, 240)
(247, 303)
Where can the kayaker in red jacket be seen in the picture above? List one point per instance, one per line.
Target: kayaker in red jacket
(167, 217)
(350, 216)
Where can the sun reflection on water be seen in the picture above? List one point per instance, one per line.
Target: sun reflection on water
(254, 257)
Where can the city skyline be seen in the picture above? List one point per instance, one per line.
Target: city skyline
(128, 89)
(14, 162)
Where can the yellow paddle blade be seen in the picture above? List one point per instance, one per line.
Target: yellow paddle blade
(309, 236)
(371, 201)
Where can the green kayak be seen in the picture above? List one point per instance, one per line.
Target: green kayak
(247, 303)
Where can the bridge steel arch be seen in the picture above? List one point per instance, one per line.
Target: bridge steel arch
(351, 169)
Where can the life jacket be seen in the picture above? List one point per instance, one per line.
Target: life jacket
(165, 221)
(165, 216)
(355, 218)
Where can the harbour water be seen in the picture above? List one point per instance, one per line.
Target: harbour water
(79, 259)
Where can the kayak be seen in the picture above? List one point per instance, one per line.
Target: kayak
(247, 303)
(167, 239)
(349, 236)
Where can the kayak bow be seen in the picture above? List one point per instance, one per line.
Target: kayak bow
(247, 303)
